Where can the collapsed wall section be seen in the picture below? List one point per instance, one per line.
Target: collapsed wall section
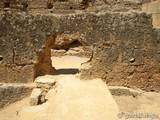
(125, 45)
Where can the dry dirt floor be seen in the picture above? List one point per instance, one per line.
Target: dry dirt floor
(76, 99)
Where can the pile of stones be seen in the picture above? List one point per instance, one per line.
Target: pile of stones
(43, 85)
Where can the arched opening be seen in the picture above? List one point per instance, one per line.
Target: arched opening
(69, 53)
(62, 54)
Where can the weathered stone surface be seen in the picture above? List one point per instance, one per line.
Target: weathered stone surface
(12, 73)
(10, 93)
(123, 91)
(35, 96)
(47, 79)
(43, 85)
(73, 50)
(42, 6)
(116, 37)
(43, 64)
(64, 40)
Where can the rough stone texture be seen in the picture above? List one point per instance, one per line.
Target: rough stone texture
(10, 93)
(80, 51)
(64, 40)
(43, 85)
(64, 6)
(73, 49)
(116, 37)
(11, 73)
(35, 96)
(43, 64)
(111, 58)
(111, 61)
(123, 91)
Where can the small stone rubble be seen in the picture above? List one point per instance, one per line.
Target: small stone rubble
(43, 85)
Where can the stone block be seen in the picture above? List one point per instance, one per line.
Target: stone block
(156, 19)
(47, 79)
(35, 96)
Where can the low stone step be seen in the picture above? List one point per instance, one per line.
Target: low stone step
(43, 85)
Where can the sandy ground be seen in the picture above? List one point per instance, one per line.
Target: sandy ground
(147, 103)
(11, 112)
(75, 99)
(71, 62)
(86, 100)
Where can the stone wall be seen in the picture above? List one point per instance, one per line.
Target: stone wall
(42, 6)
(126, 47)
(10, 93)
(130, 57)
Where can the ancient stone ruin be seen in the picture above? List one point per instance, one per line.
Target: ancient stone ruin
(120, 40)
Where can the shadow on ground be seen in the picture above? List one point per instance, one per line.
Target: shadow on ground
(66, 71)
